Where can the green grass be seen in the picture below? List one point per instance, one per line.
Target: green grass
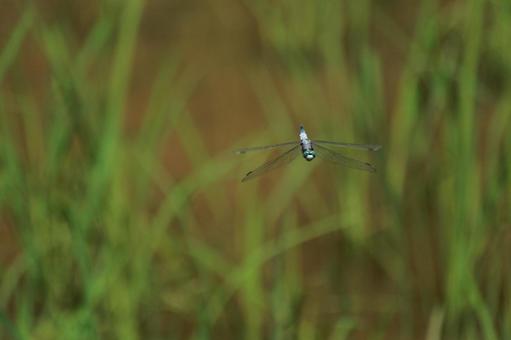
(121, 211)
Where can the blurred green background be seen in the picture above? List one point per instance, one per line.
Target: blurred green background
(122, 215)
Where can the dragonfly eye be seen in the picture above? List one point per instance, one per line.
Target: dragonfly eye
(309, 155)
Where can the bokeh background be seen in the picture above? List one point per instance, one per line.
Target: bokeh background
(122, 215)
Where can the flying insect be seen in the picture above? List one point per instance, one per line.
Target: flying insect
(309, 149)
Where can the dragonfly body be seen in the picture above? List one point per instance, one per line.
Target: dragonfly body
(310, 149)
(307, 150)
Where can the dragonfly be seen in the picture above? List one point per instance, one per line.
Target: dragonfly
(309, 149)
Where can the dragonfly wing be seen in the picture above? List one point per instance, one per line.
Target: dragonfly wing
(265, 147)
(283, 159)
(337, 158)
(368, 147)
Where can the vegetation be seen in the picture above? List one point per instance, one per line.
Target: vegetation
(121, 211)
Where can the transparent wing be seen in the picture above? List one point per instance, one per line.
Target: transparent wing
(265, 147)
(285, 158)
(337, 158)
(368, 147)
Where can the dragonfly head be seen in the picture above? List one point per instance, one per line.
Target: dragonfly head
(309, 155)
